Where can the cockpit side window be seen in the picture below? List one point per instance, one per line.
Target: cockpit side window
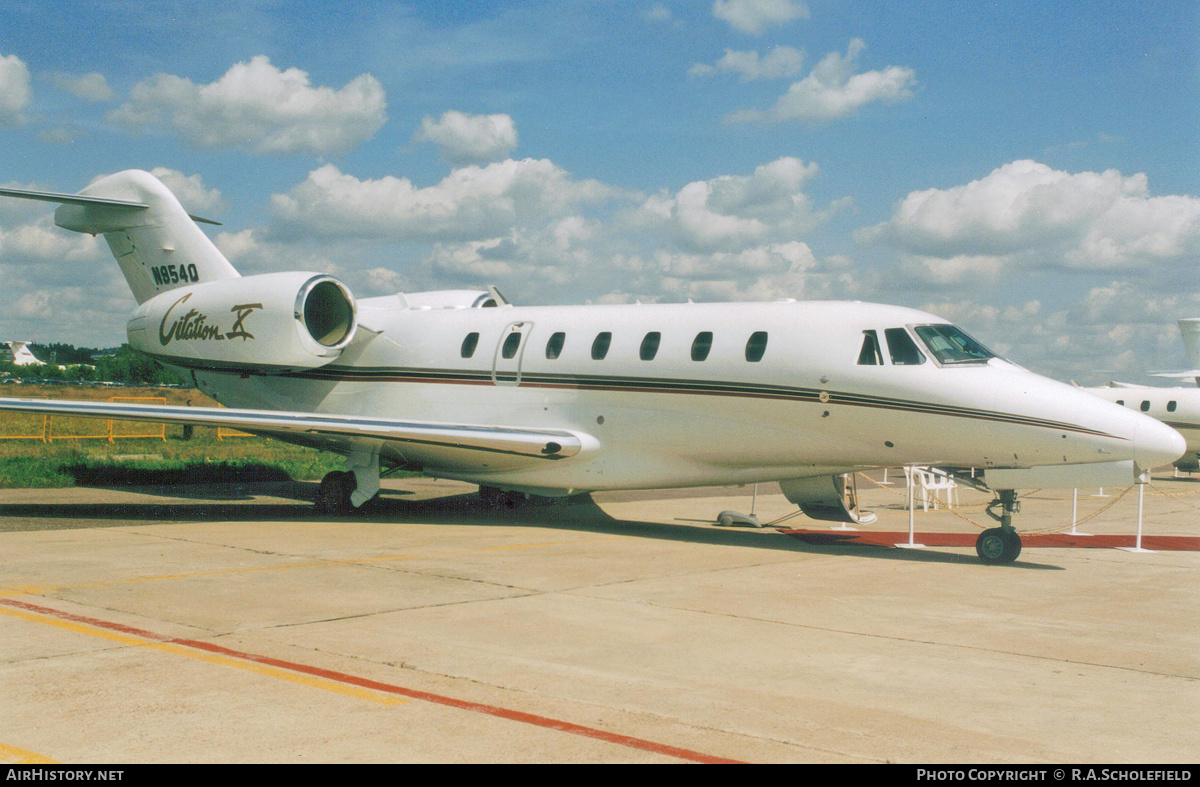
(870, 354)
(950, 344)
(902, 348)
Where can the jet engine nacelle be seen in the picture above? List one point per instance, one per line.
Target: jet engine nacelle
(273, 321)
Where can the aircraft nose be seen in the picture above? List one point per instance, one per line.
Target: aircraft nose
(1156, 444)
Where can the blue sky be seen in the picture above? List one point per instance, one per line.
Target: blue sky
(1026, 169)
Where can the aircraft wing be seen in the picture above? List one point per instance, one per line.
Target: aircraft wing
(442, 444)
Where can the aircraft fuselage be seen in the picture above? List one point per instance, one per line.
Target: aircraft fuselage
(694, 394)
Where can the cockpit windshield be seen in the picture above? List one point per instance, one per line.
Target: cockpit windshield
(951, 345)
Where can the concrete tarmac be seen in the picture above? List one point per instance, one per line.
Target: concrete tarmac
(204, 624)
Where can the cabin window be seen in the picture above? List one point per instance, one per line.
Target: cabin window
(600, 345)
(469, 344)
(870, 354)
(701, 345)
(1146, 406)
(555, 345)
(511, 343)
(1171, 406)
(1121, 402)
(650, 346)
(756, 346)
(902, 348)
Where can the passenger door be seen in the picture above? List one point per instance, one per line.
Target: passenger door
(506, 365)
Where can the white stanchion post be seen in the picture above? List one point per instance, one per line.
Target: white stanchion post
(1075, 513)
(911, 506)
(1137, 544)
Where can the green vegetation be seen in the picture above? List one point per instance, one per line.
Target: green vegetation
(202, 459)
(68, 459)
(86, 364)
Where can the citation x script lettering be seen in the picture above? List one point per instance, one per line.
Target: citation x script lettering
(561, 400)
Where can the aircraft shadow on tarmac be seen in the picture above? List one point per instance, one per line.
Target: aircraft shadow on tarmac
(238, 503)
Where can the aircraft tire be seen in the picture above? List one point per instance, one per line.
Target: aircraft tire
(333, 495)
(998, 545)
(1014, 545)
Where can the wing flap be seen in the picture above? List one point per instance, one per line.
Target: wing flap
(415, 436)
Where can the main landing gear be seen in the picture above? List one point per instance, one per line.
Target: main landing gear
(1000, 544)
(333, 495)
(501, 499)
(343, 492)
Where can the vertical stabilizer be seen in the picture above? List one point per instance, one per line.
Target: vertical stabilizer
(156, 243)
(1189, 328)
(158, 248)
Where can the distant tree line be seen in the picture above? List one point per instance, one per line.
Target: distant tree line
(88, 364)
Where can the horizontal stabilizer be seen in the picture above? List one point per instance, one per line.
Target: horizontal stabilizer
(84, 200)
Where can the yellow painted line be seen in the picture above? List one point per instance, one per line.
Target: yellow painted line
(11, 755)
(212, 658)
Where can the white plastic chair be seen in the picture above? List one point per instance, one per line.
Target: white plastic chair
(932, 482)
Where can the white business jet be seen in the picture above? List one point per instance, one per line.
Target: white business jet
(1178, 407)
(561, 400)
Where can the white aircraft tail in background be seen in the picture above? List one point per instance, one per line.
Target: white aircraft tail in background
(1177, 406)
(561, 400)
(1189, 328)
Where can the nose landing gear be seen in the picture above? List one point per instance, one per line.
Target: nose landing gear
(1000, 544)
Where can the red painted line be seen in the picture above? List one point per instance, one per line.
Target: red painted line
(887, 539)
(367, 683)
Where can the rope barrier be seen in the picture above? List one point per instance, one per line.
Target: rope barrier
(1058, 529)
(1174, 497)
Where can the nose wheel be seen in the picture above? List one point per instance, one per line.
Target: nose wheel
(1000, 544)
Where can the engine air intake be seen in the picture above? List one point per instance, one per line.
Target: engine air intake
(328, 312)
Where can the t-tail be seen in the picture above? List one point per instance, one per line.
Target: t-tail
(156, 242)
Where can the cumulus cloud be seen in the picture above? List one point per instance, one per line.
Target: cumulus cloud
(57, 285)
(42, 242)
(89, 87)
(469, 139)
(833, 90)
(733, 212)
(782, 61)
(259, 108)
(532, 229)
(1025, 211)
(755, 16)
(191, 191)
(470, 203)
(15, 90)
